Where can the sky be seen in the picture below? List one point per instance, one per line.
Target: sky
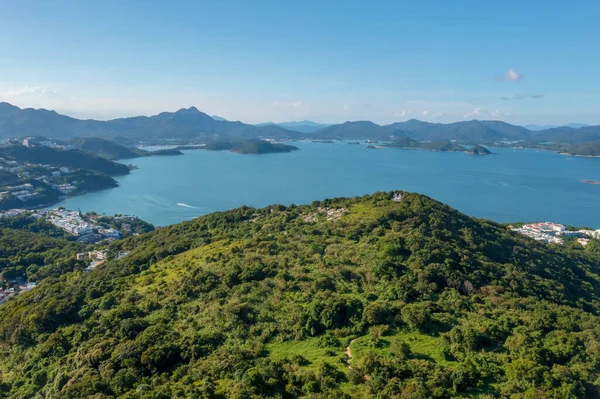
(523, 62)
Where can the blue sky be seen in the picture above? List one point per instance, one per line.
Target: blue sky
(329, 61)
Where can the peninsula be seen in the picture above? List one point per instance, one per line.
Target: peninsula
(248, 146)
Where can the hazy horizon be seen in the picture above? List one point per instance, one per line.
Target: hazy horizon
(540, 126)
(434, 61)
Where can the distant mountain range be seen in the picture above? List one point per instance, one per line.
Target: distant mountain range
(183, 125)
(191, 125)
(543, 127)
(301, 126)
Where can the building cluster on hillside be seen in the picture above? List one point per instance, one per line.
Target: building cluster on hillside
(73, 223)
(96, 258)
(555, 233)
(87, 230)
(53, 176)
(24, 192)
(6, 294)
(42, 142)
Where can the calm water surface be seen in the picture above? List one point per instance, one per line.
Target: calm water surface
(513, 185)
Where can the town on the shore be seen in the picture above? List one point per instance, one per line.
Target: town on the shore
(555, 233)
(48, 174)
(88, 228)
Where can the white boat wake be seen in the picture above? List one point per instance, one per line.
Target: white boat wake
(185, 205)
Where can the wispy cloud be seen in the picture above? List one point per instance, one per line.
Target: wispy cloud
(403, 113)
(295, 104)
(522, 96)
(29, 91)
(513, 76)
(482, 113)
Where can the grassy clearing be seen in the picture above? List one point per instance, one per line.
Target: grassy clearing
(422, 346)
(310, 350)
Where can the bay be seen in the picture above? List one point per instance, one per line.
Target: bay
(511, 185)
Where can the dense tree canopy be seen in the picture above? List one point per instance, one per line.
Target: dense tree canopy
(257, 303)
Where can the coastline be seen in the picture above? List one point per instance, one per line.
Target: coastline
(575, 155)
(64, 197)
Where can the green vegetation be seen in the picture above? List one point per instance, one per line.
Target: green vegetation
(478, 150)
(127, 225)
(192, 126)
(591, 149)
(248, 146)
(46, 194)
(444, 146)
(42, 167)
(257, 303)
(26, 255)
(25, 222)
(113, 151)
(69, 158)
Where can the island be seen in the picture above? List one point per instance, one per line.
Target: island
(478, 150)
(248, 146)
(441, 146)
(595, 182)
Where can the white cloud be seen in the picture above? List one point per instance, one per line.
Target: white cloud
(482, 113)
(513, 76)
(295, 104)
(31, 92)
(403, 113)
(425, 112)
(537, 95)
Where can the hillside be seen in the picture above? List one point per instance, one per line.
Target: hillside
(300, 126)
(68, 158)
(35, 255)
(568, 135)
(189, 125)
(104, 148)
(469, 132)
(360, 130)
(257, 303)
(113, 151)
(184, 125)
(591, 149)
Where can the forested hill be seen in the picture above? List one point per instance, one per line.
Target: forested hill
(70, 158)
(257, 303)
(113, 151)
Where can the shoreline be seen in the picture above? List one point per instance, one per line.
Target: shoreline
(575, 155)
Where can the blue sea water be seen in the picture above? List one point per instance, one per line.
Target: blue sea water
(511, 185)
